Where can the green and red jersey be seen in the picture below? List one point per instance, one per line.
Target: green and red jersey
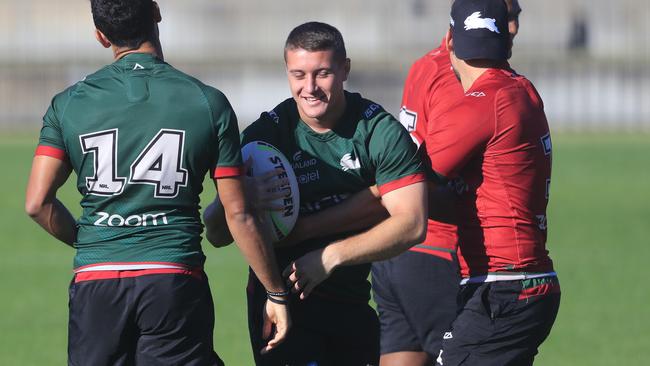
(368, 146)
(141, 135)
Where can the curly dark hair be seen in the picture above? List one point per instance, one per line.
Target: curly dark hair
(126, 23)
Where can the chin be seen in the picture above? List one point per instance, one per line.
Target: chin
(314, 112)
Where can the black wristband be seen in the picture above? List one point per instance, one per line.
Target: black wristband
(282, 293)
(277, 301)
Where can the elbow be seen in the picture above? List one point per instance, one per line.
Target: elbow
(33, 207)
(418, 229)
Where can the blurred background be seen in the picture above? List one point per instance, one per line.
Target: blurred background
(590, 61)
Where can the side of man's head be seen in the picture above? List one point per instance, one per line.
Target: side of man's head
(316, 36)
(126, 23)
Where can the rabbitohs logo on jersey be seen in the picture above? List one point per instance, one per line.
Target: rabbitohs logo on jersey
(348, 162)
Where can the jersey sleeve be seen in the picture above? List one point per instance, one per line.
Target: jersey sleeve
(455, 138)
(51, 141)
(228, 161)
(395, 156)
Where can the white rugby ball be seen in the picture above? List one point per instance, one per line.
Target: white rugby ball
(265, 157)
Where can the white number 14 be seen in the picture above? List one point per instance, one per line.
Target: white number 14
(159, 164)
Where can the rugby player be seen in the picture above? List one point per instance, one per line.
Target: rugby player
(415, 292)
(496, 139)
(141, 135)
(340, 144)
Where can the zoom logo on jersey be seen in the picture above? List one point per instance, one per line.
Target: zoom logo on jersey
(106, 219)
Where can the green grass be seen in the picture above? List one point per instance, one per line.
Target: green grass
(599, 227)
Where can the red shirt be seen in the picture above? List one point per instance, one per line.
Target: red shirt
(497, 139)
(430, 89)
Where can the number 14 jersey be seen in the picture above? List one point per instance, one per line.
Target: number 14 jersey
(141, 136)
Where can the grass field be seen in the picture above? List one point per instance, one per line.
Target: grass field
(599, 225)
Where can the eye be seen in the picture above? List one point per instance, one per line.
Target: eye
(324, 73)
(297, 74)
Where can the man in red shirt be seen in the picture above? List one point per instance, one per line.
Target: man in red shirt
(416, 292)
(497, 140)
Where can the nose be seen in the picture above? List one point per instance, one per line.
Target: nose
(310, 84)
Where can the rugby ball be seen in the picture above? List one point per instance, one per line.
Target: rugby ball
(265, 157)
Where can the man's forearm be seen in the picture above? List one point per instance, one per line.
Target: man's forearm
(258, 254)
(386, 240)
(360, 211)
(55, 218)
(216, 228)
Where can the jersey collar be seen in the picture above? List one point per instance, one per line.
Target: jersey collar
(137, 61)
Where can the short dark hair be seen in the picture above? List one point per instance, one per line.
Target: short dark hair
(126, 23)
(316, 36)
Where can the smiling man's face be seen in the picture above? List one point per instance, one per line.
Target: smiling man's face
(316, 83)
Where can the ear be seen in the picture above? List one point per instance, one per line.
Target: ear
(347, 69)
(449, 41)
(102, 39)
(156, 12)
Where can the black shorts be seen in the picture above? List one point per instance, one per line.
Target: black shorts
(158, 319)
(502, 323)
(416, 296)
(324, 332)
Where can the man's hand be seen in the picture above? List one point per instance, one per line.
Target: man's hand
(261, 191)
(308, 271)
(276, 323)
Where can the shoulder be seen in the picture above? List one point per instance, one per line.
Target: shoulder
(433, 62)
(215, 97)
(272, 122)
(507, 88)
(361, 108)
(61, 100)
(372, 120)
(280, 115)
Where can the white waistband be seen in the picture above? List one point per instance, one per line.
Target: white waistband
(493, 277)
(128, 267)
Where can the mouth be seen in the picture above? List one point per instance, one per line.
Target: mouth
(313, 100)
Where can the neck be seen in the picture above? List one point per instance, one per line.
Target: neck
(153, 48)
(469, 71)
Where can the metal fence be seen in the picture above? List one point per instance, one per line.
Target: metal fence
(589, 59)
